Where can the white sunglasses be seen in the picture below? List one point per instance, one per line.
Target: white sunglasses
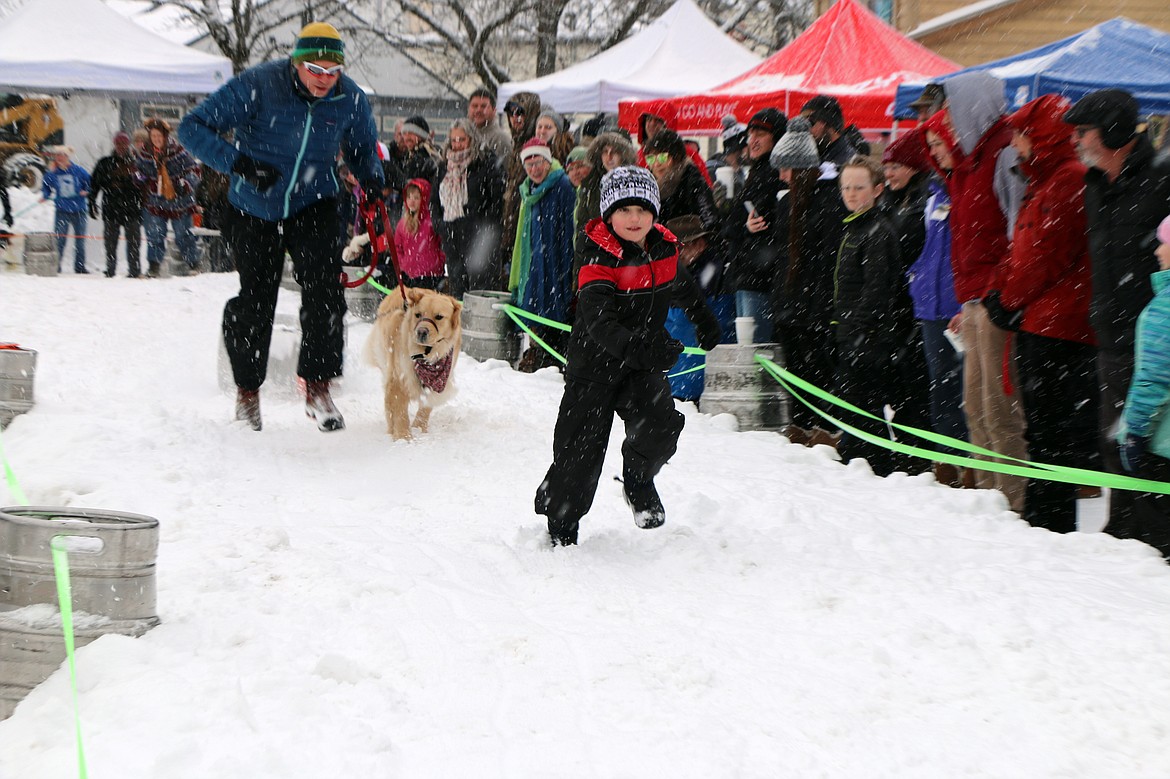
(317, 70)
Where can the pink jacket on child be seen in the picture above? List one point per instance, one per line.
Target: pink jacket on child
(419, 254)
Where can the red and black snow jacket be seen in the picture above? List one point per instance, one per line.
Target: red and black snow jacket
(624, 293)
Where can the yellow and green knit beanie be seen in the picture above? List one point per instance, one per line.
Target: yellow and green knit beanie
(319, 41)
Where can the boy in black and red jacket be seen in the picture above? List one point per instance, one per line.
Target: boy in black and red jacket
(618, 356)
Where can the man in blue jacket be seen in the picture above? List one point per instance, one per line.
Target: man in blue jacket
(67, 183)
(289, 120)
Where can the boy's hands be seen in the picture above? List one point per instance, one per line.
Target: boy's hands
(657, 354)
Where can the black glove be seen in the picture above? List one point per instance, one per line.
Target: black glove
(1133, 452)
(709, 331)
(1000, 316)
(93, 210)
(656, 354)
(372, 190)
(260, 175)
(8, 218)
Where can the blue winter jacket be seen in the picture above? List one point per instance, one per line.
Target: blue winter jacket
(548, 289)
(276, 121)
(1148, 403)
(68, 187)
(932, 286)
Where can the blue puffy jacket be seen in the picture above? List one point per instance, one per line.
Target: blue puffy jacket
(68, 186)
(1147, 407)
(932, 284)
(276, 121)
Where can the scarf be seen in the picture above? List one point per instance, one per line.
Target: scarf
(453, 187)
(434, 376)
(166, 187)
(522, 249)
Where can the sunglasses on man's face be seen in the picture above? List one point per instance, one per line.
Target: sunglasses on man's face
(317, 70)
(658, 159)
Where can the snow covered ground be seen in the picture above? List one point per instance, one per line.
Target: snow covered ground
(340, 605)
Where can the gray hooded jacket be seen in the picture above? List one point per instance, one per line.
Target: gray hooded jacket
(976, 102)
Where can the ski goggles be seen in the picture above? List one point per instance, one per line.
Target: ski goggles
(317, 70)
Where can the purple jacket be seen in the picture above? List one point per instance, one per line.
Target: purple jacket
(932, 286)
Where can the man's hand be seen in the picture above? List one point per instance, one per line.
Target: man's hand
(1000, 316)
(1133, 452)
(260, 175)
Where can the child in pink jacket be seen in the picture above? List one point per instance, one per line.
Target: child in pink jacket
(420, 255)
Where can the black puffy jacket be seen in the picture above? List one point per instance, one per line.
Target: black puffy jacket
(870, 297)
(624, 294)
(753, 257)
(1123, 217)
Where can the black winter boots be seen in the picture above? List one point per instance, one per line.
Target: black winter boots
(248, 407)
(643, 500)
(319, 406)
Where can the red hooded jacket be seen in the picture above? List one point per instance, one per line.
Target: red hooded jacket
(1048, 273)
(979, 238)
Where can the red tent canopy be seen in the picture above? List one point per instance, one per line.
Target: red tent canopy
(848, 53)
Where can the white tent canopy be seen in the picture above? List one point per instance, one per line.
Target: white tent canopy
(681, 52)
(62, 45)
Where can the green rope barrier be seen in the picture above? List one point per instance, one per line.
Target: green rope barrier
(511, 310)
(65, 598)
(378, 286)
(515, 314)
(10, 478)
(1032, 470)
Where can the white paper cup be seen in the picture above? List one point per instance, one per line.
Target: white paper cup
(745, 329)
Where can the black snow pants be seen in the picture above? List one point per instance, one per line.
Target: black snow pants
(643, 400)
(312, 239)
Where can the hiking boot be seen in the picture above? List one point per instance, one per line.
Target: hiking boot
(948, 475)
(563, 534)
(248, 407)
(319, 406)
(818, 436)
(796, 435)
(643, 500)
(152, 272)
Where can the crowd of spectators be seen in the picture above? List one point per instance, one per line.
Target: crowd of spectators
(981, 276)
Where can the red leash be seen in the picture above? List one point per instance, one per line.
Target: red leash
(373, 212)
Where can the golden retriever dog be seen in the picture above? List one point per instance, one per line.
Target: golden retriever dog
(416, 345)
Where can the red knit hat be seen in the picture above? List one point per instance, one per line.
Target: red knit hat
(534, 147)
(909, 150)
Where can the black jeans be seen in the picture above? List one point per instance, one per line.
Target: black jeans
(811, 354)
(1059, 392)
(868, 378)
(312, 240)
(643, 401)
(1114, 371)
(472, 250)
(1151, 511)
(131, 226)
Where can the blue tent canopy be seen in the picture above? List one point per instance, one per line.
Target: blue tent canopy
(1118, 53)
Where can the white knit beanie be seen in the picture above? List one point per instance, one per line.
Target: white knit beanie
(629, 186)
(796, 150)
